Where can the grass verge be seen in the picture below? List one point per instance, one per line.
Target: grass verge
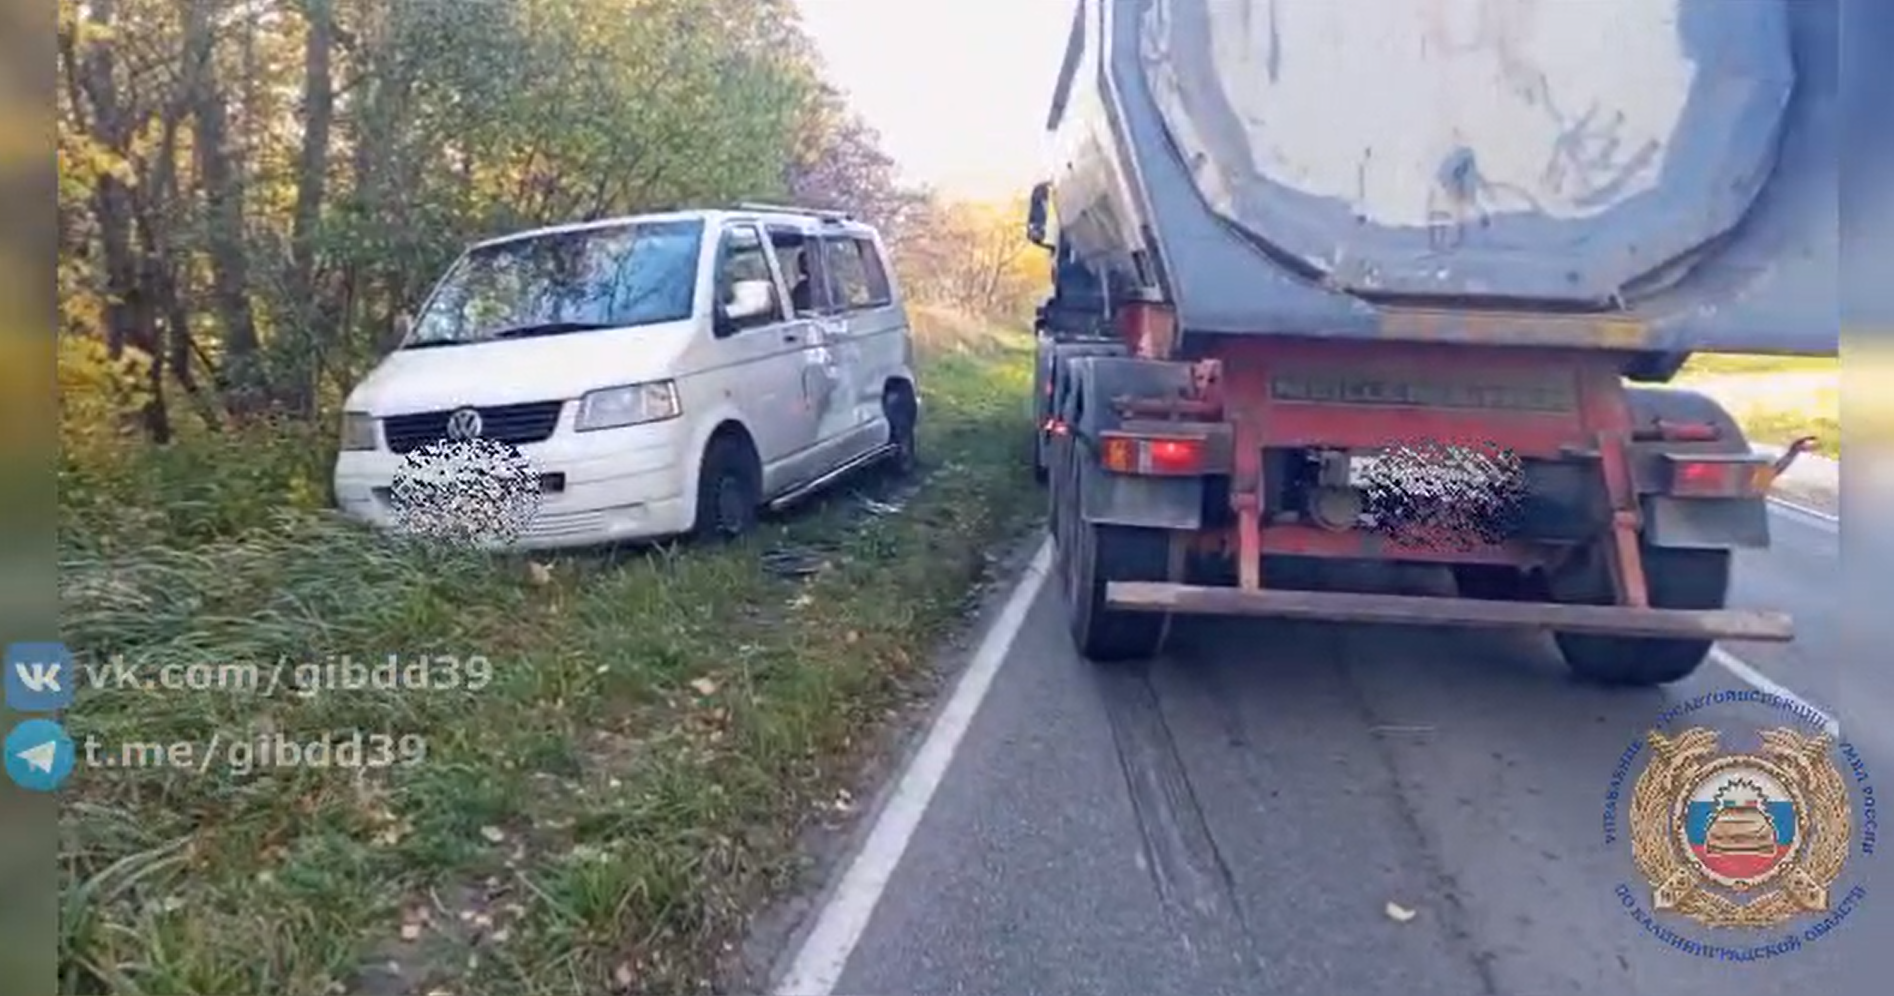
(1776, 399)
(599, 816)
(1720, 364)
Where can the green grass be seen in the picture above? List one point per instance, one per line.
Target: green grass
(1717, 364)
(599, 818)
(1780, 427)
(1776, 399)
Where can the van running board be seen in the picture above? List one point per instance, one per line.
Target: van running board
(801, 491)
(1422, 610)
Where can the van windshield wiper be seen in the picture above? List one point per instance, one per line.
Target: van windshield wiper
(548, 328)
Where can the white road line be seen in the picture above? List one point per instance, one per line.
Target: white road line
(1814, 517)
(1760, 682)
(845, 915)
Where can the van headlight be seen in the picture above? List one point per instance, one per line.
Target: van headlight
(633, 404)
(359, 431)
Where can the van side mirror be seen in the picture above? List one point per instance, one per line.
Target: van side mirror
(748, 300)
(1036, 214)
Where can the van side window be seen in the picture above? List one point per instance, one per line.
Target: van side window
(802, 270)
(741, 258)
(859, 279)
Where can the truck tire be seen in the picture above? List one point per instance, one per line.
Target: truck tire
(1103, 554)
(1499, 583)
(1090, 556)
(1677, 579)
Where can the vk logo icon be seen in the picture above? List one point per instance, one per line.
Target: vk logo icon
(39, 677)
(39, 755)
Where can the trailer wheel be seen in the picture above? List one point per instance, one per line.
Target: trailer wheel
(1499, 583)
(1677, 579)
(1091, 556)
(1103, 554)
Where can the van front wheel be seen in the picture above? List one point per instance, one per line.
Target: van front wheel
(729, 489)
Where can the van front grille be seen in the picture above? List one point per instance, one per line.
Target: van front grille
(531, 422)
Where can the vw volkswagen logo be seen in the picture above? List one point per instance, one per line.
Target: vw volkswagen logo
(463, 425)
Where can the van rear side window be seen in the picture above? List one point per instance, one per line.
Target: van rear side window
(856, 273)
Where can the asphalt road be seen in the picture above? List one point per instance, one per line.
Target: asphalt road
(1236, 817)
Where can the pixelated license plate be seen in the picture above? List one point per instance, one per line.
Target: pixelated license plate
(1361, 468)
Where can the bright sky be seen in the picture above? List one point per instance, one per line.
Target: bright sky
(957, 88)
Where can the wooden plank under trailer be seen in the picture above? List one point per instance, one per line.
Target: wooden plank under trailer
(1745, 625)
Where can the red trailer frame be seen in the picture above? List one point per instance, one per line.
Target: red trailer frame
(1260, 393)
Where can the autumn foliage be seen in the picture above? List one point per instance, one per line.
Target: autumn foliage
(251, 190)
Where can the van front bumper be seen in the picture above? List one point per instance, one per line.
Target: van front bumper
(606, 486)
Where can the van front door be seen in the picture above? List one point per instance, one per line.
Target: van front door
(760, 363)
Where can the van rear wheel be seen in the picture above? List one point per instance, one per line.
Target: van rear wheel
(904, 415)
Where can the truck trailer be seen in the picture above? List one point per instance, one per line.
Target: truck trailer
(1401, 281)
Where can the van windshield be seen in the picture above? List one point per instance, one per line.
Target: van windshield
(596, 278)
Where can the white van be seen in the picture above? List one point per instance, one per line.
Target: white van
(661, 374)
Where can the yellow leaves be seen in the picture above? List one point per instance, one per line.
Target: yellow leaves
(303, 493)
(973, 256)
(83, 161)
(97, 393)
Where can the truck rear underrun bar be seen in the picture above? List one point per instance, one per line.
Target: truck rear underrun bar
(1614, 620)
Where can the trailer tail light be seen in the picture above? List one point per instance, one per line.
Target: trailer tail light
(1698, 477)
(1163, 456)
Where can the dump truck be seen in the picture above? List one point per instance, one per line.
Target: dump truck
(1402, 281)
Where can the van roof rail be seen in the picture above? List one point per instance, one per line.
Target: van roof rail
(823, 213)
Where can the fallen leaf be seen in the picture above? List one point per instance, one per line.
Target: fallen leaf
(704, 686)
(494, 835)
(623, 975)
(540, 574)
(410, 931)
(1399, 913)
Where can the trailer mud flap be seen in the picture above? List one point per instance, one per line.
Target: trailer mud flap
(1706, 523)
(1132, 500)
(1419, 610)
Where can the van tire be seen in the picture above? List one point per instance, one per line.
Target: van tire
(904, 415)
(729, 489)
